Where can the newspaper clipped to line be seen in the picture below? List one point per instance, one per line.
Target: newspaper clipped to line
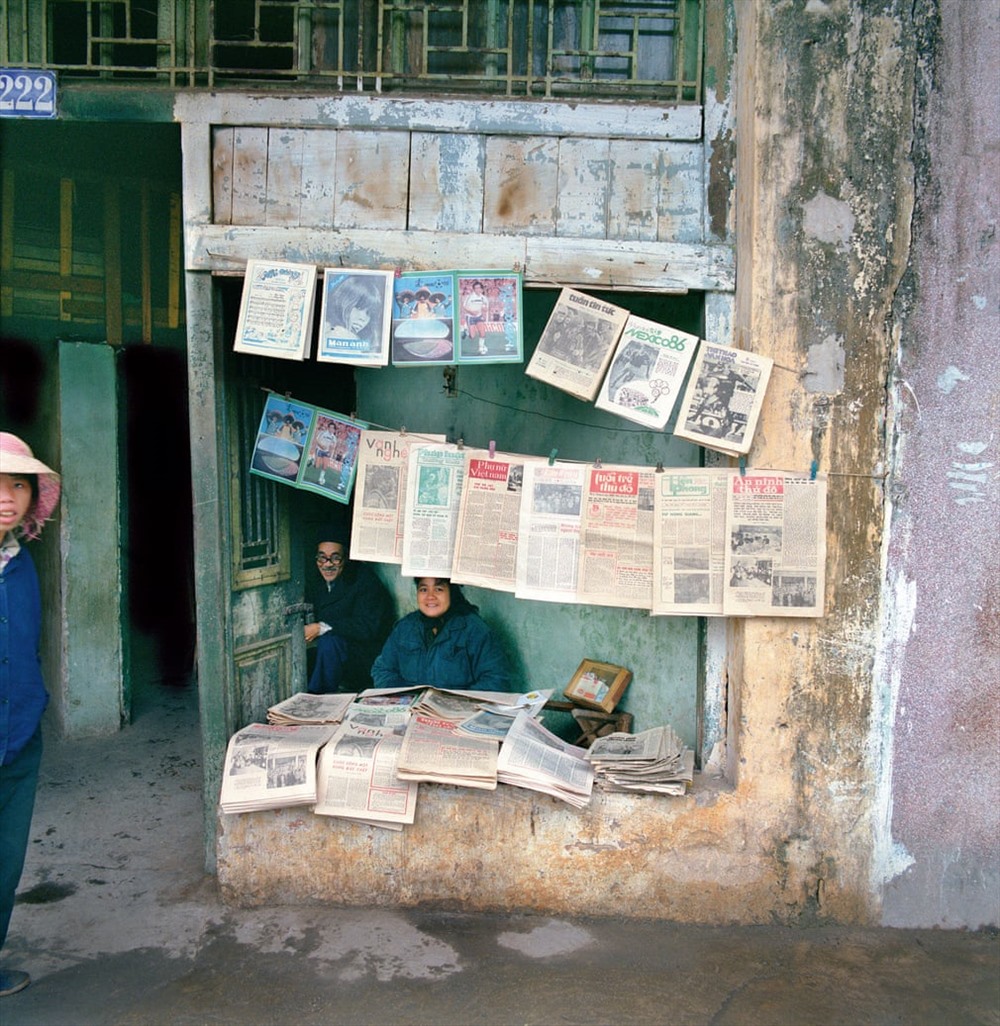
(576, 344)
(487, 536)
(689, 539)
(616, 542)
(723, 398)
(548, 548)
(647, 371)
(776, 551)
(433, 497)
(380, 494)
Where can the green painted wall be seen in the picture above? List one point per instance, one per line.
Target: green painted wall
(545, 640)
(90, 697)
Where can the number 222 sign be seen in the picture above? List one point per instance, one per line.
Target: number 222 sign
(27, 93)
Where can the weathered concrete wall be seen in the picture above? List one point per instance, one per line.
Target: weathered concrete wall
(941, 672)
(825, 99)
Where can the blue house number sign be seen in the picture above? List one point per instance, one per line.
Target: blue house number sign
(27, 93)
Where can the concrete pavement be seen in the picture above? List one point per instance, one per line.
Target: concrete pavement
(118, 924)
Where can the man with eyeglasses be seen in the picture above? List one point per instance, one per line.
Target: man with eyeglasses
(353, 616)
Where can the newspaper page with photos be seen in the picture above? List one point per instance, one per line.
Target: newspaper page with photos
(689, 541)
(486, 540)
(576, 344)
(616, 541)
(647, 371)
(270, 767)
(433, 495)
(776, 550)
(380, 494)
(548, 544)
(533, 757)
(356, 778)
(433, 751)
(723, 398)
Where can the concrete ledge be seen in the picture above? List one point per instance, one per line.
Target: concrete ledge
(644, 856)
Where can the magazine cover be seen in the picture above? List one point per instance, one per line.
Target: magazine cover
(723, 398)
(331, 456)
(489, 313)
(310, 448)
(423, 318)
(576, 345)
(281, 439)
(646, 373)
(276, 310)
(357, 309)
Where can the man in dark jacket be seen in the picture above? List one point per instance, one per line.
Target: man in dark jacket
(352, 613)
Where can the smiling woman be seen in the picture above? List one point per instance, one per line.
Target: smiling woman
(445, 643)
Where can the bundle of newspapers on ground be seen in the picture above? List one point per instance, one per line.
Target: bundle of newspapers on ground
(362, 756)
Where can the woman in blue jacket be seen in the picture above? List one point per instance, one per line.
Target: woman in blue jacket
(29, 491)
(444, 644)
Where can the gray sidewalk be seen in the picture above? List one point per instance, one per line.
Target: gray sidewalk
(117, 924)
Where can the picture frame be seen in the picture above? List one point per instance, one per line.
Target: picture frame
(598, 685)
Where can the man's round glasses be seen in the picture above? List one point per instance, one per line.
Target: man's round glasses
(335, 560)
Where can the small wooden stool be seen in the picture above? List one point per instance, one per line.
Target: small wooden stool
(593, 724)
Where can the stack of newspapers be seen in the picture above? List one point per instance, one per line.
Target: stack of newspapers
(654, 760)
(306, 708)
(271, 766)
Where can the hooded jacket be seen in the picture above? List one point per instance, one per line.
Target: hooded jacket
(463, 654)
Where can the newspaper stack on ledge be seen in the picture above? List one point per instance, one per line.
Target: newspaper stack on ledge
(654, 760)
(271, 767)
(357, 777)
(535, 758)
(433, 751)
(305, 708)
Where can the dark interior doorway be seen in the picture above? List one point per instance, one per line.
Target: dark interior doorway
(158, 511)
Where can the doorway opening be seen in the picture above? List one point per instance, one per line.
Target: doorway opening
(157, 514)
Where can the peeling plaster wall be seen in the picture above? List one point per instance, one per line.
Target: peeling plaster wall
(941, 676)
(824, 199)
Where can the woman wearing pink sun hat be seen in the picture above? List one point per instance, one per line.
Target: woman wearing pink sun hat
(29, 492)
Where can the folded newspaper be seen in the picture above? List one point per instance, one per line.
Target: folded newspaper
(270, 766)
(655, 760)
(534, 758)
(306, 708)
(433, 751)
(357, 777)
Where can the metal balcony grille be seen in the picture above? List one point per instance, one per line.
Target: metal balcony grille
(517, 48)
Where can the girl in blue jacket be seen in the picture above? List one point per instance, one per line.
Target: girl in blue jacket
(444, 644)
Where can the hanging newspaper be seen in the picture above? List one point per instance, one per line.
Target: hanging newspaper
(548, 549)
(380, 499)
(486, 539)
(616, 540)
(357, 777)
(723, 398)
(776, 551)
(276, 310)
(433, 495)
(356, 317)
(647, 372)
(576, 345)
(689, 540)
